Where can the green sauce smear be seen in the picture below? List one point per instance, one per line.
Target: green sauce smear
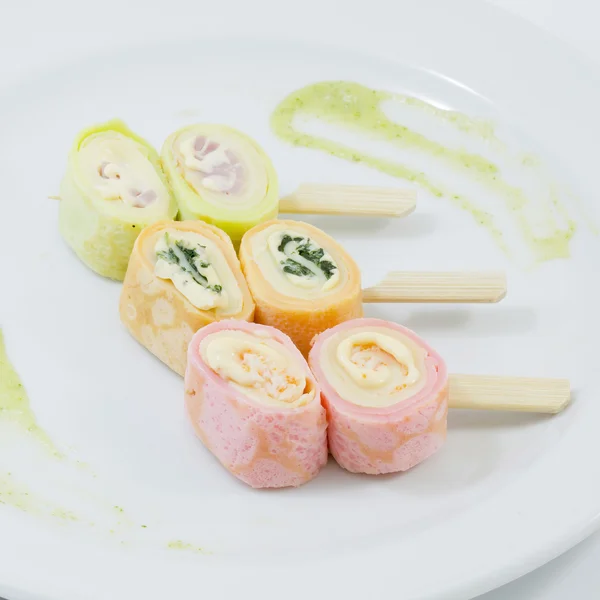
(181, 545)
(15, 408)
(17, 495)
(14, 402)
(359, 108)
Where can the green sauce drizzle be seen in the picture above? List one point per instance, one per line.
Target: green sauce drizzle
(359, 108)
(14, 402)
(17, 495)
(181, 545)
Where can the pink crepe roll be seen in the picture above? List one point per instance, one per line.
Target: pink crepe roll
(255, 404)
(386, 395)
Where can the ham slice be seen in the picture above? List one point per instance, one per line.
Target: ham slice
(264, 437)
(370, 432)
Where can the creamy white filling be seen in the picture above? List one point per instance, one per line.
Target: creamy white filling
(374, 367)
(198, 269)
(296, 264)
(258, 366)
(222, 167)
(302, 260)
(117, 169)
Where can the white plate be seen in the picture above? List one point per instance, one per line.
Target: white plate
(506, 494)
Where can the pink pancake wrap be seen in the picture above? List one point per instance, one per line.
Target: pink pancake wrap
(264, 446)
(392, 438)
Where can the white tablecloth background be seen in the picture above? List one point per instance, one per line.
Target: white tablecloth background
(26, 41)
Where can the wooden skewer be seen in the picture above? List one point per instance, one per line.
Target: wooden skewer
(325, 199)
(438, 287)
(522, 394)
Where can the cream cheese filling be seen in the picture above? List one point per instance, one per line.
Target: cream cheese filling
(198, 269)
(374, 366)
(296, 264)
(259, 367)
(117, 169)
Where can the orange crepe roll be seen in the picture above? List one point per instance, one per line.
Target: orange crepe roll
(302, 280)
(182, 275)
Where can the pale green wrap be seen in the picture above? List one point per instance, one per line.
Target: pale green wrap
(101, 235)
(234, 220)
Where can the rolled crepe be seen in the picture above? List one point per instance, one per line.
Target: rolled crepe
(255, 405)
(386, 395)
(302, 280)
(114, 186)
(221, 176)
(181, 277)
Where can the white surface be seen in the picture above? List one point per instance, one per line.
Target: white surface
(575, 574)
(53, 43)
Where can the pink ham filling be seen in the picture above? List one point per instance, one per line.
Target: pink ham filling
(139, 199)
(143, 199)
(228, 175)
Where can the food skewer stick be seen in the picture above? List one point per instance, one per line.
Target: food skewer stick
(352, 200)
(440, 287)
(523, 394)
(329, 199)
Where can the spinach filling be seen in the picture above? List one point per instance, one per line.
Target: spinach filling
(295, 268)
(189, 261)
(307, 250)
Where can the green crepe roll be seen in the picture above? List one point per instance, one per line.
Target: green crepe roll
(114, 186)
(221, 176)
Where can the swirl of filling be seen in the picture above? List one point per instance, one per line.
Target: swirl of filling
(198, 269)
(118, 170)
(296, 264)
(222, 167)
(374, 367)
(259, 367)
